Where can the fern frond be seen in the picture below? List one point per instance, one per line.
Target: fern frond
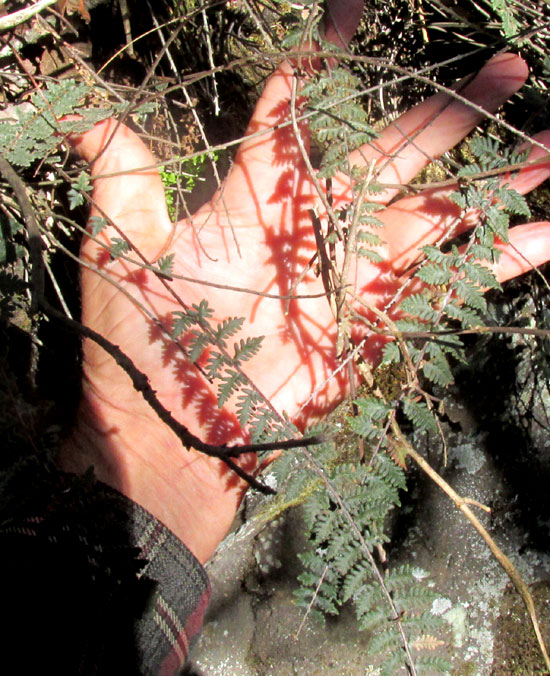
(437, 369)
(355, 579)
(198, 342)
(465, 315)
(434, 274)
(118, 247)
(420, 415)
(325, 523)
(373, 619)
(392, 664)
(420, 305)
(230, 381)
(423, 623)
(391, 354)
(384, 641)
(480, 274)
(246, 401)
(369, 598)
(433, 664)
(246, 348)
(393, 475)
(216, 361)
(166, 264)
(299, 483)
(228, 327)
(471, 294)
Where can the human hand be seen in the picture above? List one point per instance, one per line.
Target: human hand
(255, 234)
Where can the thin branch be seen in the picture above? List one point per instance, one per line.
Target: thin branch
(310, 605)
(305, 158)
(16, 18)
(141, 384)
(480, 175)
(33, 231)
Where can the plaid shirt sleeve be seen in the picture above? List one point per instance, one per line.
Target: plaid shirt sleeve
(92, 583)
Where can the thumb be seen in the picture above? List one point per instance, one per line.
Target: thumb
(132, 199)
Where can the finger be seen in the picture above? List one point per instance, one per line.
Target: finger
(133, 199)
(436, 125)
(264, 161)
(341, 20)
(414, 222)
(271, 151)
(528, 248)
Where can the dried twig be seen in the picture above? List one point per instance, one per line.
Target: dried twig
(16, 18)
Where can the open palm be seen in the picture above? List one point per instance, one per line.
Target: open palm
(255, 235)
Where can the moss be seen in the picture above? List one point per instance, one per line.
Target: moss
(389, 379)
(516, 649)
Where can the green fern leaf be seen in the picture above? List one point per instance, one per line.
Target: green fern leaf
(465, 315)
(369, 597)
(420, 305)
(97, 225)
(316, 504)
(119, 247)
(247, 348)
(470, 294)
(80, 186)
(354, 580)
(228, 327)
(198, 342)
(230, 382)
(384, 641)
(325, 524)
(216, 361)
(420, 415)
(246, 401)
(433, 664)
(373, 619)
(512, 201)
(480, 274)
(434, 274)
(166, 264)
(392, 664)
(438, 371)
(390, 472)
(391, 354)
(435, 255)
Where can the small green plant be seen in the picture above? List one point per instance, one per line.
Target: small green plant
(189, 172)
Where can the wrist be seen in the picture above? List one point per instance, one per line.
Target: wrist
(193, 495)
